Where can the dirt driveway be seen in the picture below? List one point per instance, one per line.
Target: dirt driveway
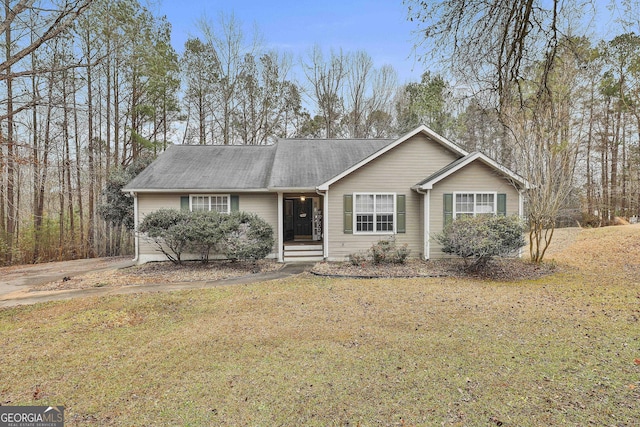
(15, 282)
(20, 278)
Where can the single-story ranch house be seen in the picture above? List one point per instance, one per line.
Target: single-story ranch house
(326, 199)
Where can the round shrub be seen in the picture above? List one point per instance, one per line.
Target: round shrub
(245, 236)
(203, 232)
(169, 230)
(239, 236)
(482, 237)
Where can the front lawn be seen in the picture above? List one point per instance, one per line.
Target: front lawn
(563, 349)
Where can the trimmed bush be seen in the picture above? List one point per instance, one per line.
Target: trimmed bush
(204, 233)
(169, 230)
(239, 236)
(482, 237)
(245, 236)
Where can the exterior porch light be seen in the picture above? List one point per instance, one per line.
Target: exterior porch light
(302, 198)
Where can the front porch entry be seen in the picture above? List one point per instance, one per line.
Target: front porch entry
(302, 227)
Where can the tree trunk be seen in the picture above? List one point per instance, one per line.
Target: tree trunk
(76, 133)
(67, 162)
(35, 161)
(10, 198)
(91, 166)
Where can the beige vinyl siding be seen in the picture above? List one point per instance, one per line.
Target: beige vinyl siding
(475, 177)
(394, 172)
(148, 203)
(264, 205)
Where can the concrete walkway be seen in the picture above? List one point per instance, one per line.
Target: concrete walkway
(15, 285)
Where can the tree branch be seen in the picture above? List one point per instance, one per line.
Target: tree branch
(64, 19)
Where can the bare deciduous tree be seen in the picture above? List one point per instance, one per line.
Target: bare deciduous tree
(510, 49)
(326, 78)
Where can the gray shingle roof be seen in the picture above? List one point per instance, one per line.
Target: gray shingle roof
(445, 169)
(307, 163)
(207, 167)
(290, 163)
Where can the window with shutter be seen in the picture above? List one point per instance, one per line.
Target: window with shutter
(211, 202)
(374, 213)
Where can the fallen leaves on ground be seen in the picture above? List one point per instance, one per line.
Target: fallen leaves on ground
(161, 272)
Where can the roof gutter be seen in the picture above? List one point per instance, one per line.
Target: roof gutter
(196, 190)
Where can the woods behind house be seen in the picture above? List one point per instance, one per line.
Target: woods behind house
(92, 90)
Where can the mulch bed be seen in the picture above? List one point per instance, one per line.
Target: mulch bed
(498, 269)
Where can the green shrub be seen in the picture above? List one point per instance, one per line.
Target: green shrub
(239, 236)
(245, 236)
(203, 233)
(169, 230)
(482, 237)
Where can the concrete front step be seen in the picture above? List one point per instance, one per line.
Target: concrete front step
(303, 253)
(302, 259)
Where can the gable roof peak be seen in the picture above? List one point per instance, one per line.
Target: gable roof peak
(456, 165)
(422, 129)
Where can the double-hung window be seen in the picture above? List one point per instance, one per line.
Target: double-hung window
(218, 203)
(472, 204)
(375, 213)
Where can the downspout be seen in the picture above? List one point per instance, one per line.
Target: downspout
(520, 203)
(325, 222)
(426, 228)
(136, 238)
(280, 228)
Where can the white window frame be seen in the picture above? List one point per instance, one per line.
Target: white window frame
(209, 196)
(375, 214)
(475, 202)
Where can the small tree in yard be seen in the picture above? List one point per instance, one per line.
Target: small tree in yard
(482, 237)
(117, 208)
(245, 236)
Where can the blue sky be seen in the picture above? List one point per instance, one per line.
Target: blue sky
(379, 27)
(376, 26)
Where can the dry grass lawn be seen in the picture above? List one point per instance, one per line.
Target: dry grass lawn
(563, 349)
